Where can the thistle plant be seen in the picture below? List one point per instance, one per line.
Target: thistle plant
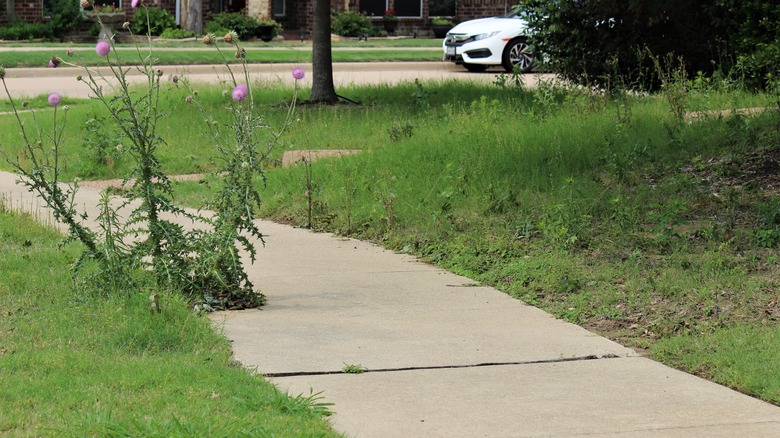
(243, 144)
(204, 264)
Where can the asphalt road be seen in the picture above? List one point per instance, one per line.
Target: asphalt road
(27, 82)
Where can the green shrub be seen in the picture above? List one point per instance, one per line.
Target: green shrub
(245, 26)
(159, 20)
(215, 28)
(25, 31)
(65, 16)
(438, 21)
(351, 24)
(175, 34)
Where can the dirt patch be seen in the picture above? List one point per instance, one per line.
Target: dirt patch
(291, 158)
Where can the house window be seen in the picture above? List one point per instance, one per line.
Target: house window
(373, 7)
(403, 8)
(408, 8)
(279, 8)
(441, 8)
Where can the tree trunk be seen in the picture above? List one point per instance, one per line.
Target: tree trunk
(10, 11)
(195, 16)
(322, 90)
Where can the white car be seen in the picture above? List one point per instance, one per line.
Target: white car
(479, 44)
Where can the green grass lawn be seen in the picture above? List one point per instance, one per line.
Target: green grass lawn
(189, 43)
(88, 57)
(75, 365)
(658, 233)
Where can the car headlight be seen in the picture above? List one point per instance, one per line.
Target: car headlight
(483, 36)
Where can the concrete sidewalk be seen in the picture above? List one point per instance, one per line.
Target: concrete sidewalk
(447, 358)
(28, 82)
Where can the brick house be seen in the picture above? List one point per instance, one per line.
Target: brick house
(295, 15)
(26, 10)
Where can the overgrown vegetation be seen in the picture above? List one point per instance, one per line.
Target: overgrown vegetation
(152, 21)
(76, 365)
(583, 39)
(203, 263)
(610, 212)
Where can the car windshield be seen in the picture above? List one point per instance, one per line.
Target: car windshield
(514, 13)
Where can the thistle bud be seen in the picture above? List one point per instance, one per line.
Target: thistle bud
(229, 37)
(126, 25)
(69, 52)
(85, 4)
(207, 39)
(188, 99)
(79, 78)
(159, 72)
(2, 72)
(25, 104)
(175, 79)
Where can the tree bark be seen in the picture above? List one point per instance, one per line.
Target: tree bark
(10, 11)
(195, 16)
(322, 90)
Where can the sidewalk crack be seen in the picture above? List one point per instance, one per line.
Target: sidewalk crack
(444, 367)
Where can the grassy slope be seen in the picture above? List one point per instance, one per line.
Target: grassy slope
(75, 365)
(644, 230)
(641, 228)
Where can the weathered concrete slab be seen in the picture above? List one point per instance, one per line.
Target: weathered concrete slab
(631, 397)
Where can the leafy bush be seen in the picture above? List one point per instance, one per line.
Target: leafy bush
(438, 21)
(159, 21)
(175, 34)
(65, 16)
(25, 31)
(351, 24)
(753, 28)
(245, 26)
(595, 41)
(604, 42)
(215, 28)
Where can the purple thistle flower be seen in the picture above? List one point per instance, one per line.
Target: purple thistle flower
(54, 99)
(298, 73)
(102, 48)
(135, 3)
(240, 92)
(175, 79)
(52, 64)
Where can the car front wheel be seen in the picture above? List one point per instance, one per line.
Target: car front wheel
(518, 54)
